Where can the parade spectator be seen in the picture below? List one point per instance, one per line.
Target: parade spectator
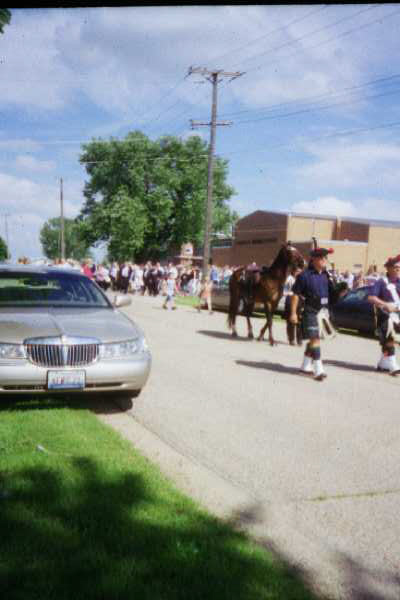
(206, 294)
(102, 277)
(114, 276)
(125, 272)
(172, 269)
(348, 278)
(171, 289)
(86, 270)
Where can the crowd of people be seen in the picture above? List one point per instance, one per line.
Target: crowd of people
(301, 287)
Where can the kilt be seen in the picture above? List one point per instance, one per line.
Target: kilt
(309, 324)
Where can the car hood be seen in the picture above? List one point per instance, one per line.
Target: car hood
(107, 325)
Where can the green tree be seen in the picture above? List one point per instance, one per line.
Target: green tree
(147, 197)
(75, 244)
(5, 18)
(3, 250)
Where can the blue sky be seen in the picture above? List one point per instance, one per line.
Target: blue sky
(316, 114)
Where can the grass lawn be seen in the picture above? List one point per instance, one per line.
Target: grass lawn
(193, 301)
(84, 516)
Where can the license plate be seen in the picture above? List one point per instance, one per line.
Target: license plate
(66, 380)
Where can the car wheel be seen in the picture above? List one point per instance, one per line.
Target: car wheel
(124, 399)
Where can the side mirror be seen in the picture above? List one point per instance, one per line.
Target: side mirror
(120, 300)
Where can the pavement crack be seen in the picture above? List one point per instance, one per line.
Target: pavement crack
(357, 495)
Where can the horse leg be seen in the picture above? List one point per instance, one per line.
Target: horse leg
(249, 311)
(233, 308)
(263, 330)
(271, 337)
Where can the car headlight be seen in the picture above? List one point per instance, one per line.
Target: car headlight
(123, 349)
(12, 351)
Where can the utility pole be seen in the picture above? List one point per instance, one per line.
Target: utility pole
(214, 77)
(62, 238)
(7, 240)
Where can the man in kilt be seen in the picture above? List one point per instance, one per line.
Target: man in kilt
(385, 296)
(315, 286)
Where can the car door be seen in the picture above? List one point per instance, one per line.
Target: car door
(353, 311)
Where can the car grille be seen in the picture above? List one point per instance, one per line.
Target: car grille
(57, 355)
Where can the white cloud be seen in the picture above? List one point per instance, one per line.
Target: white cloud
(368, 208)
(28, 205)
(326, 205)
(19, 145)
(125, 58)
(343, 164)
(30, 163)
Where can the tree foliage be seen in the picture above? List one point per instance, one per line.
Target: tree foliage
(3, 250)
(147, 197)
(75, 245)
(5, 18)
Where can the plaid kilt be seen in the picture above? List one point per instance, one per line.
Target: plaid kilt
(310, 325)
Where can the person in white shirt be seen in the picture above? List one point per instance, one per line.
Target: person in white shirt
(171, 291)
(172, 270)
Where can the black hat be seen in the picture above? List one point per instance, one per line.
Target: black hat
(321, 252)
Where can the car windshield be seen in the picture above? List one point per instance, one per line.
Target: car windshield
(49, 289)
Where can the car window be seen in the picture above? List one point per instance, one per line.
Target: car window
(357, 295)
(49, 289)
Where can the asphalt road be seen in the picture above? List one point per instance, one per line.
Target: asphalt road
(310, 468)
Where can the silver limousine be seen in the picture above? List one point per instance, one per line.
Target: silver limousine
(60, 333)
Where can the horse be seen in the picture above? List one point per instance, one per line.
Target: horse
(268, 290)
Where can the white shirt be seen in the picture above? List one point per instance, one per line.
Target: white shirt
(170, 287)
(174, 272)
(125, 272)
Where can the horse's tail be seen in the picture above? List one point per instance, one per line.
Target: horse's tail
(234, 296)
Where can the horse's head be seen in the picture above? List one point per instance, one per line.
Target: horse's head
(294, 258)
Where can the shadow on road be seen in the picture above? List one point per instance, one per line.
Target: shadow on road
(222, 335)
(351, 366)
(269, 366)
(364, 583)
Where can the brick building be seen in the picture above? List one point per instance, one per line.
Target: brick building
(357, 243)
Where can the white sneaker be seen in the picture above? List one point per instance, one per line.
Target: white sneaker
(389, 363)
(319, 373)
(394, 368)
(383, 364)
(307, 366)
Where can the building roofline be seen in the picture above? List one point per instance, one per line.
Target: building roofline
(331, 242)
(373, 222)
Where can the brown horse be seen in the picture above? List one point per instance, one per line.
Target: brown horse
(268, 290)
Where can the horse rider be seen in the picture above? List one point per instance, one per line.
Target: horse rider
(316, 287)
(252, 279)
(385, 295)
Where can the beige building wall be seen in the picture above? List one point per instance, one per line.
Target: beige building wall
(383, 242)
(303, 228)
(259, 236)
(351, 256)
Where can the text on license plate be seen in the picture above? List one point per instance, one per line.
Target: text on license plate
(66, 380)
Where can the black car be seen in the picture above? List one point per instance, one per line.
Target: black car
(353, 311)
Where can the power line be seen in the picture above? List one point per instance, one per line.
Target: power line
(268, 35)
(311, 99)
(316, 108)
(345, 133)
(309, 34)
(334, 38)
